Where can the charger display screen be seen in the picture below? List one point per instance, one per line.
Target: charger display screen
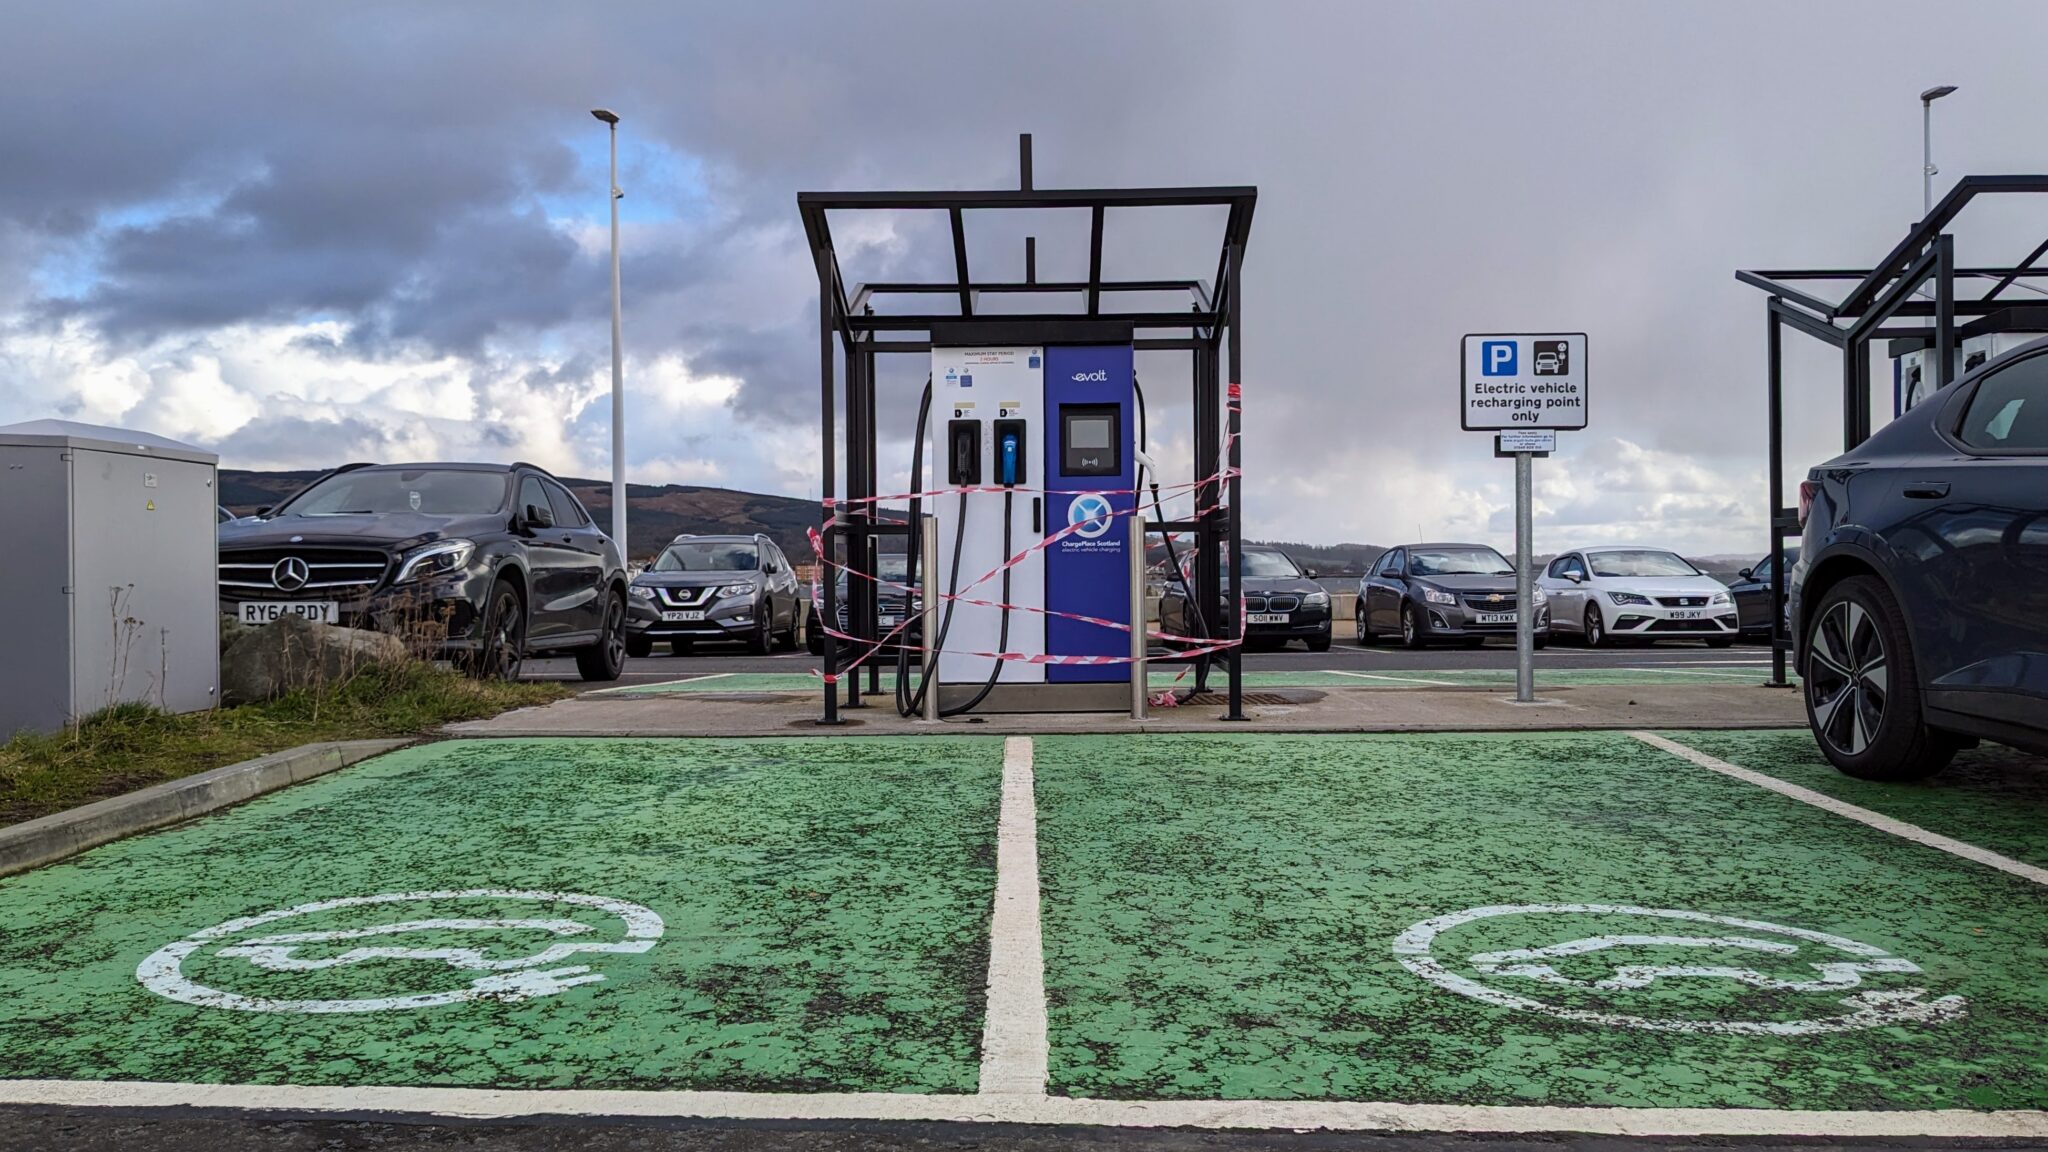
(1091, 439)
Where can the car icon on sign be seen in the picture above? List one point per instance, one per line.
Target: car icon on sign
(1553, 359)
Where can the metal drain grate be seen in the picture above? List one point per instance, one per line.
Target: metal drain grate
(1266, 699)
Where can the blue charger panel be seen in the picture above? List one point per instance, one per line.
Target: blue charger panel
(1089, 473)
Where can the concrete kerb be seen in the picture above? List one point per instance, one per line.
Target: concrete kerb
(47, 839)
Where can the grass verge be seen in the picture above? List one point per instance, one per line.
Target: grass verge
(132, 746)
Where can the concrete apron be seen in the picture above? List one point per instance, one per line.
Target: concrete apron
(1372, 707)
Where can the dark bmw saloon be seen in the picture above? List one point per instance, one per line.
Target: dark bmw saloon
(1282, 602)
(1920, 602)
(1425, 593)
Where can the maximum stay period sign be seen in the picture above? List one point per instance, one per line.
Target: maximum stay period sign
(1524, 381)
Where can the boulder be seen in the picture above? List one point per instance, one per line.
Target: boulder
(267, 662)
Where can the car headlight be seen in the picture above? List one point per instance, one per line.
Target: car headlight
(1721, 598)
(1629, 598)
(1538, 595)
(737, 590)
(438, 559)
(640, 592)
(1438, 596)
(1316, 599)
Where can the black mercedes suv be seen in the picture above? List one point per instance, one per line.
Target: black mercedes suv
(492, 562)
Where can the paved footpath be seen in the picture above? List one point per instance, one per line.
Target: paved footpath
(866, 937)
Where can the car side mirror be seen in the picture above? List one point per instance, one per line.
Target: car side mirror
(539, 516)
(1747, 573)
(263, 510)
(1311, 573)
(1575, 578)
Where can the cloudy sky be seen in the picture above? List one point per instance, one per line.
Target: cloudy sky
(302, 234)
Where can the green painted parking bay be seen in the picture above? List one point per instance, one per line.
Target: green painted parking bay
(1561, 919)
(792, 914)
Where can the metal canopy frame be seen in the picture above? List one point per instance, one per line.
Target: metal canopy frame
(850, 328)
(1878, 295)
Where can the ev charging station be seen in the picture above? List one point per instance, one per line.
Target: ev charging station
(1032, 494)
(1943, 336)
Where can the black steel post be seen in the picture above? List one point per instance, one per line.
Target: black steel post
(1207, 592)
(1024, 161)
(860, 439)
(872, 479)
(1944, 310)
(1775, 462)
(828, 315)
(1232, 422)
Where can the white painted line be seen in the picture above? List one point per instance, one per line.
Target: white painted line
(1398, 679)
(1013, 1038)
(504, 1104)
(1744, 676)
(642, 688)
(1877, 820)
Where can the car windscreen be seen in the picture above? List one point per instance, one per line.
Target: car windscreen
(708, 557)
(1644, 563)
(890, 570)
(428, 491)
(1257, 564)
(1458, 562)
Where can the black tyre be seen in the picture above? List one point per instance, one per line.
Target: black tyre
(1540, 641)
(786, 641)
(1414, 632)
(501, 648)
(606, 659)
(1720, 641)
(814, 637)
(762, 638)
(1365, 637)
(639, 647)
(1319, 643)
(1475, 641)
(1862, 687)
(1596, 629)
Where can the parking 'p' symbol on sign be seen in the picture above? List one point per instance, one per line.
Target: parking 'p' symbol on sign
(1497, 357)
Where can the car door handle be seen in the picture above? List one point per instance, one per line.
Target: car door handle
(1926, 489)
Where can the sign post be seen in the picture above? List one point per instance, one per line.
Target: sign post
(1525, 387)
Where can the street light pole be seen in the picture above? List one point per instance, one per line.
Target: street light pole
(618, 361)
(1927, 168)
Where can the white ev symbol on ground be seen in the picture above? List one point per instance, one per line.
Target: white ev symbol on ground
(515, 978)
(1843, 967)
(1091, 514)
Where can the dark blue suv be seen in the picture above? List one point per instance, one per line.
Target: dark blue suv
(1921, 599)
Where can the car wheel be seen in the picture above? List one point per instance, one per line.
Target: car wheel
(639, 647)
(1539, 641)
(606, 659)
(1862, 687)
(762, 638)
(1365, 637)
(814, 637)
(1720, 641)
(502, 647)
(1319, 643)
(1596, 628)
(1414, 632)
(787, 641)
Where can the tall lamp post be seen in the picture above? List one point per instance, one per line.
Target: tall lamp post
(618, 364)
(1927, 168)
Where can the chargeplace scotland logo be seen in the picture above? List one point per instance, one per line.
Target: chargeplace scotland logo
(1090, 515)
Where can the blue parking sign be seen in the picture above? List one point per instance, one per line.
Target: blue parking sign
(1497, 357)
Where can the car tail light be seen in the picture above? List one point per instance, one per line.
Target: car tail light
(1808, 489)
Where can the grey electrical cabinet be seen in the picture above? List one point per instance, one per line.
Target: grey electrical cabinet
(110, 576)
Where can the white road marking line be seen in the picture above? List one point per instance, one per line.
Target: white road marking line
(642, 687)
(1877, 820)
(1689, 672)
(1398, 679)
(508, 1104)
(1014, 1048)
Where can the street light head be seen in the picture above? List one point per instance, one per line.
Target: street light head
(1933, 94)
(612, 118)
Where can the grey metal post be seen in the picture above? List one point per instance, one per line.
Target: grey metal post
(1927, 168)
(928, 660)
(618, 355)
(1525, 614)
(1140, 685)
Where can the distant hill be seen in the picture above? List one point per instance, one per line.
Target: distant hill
(655, 514)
